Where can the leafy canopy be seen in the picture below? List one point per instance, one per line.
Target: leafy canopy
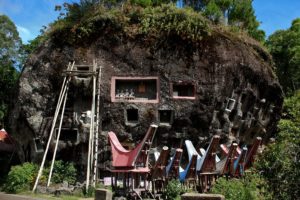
(284, 46)
(279, 163)
(10, 44)
(236, 13)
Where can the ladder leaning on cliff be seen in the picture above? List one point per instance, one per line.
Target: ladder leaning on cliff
(62, 100)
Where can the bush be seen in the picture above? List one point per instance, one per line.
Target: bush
(90, 192)
(20, 178)
(252, 187)
(64, 171)
(173, 190)
(82, 24)
(279, 163)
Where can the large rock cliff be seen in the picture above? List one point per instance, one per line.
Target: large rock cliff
(219, 85)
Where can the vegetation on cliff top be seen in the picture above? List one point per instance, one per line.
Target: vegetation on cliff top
(85, 21)
(130, 21)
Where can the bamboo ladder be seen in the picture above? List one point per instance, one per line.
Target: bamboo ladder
(93, 137)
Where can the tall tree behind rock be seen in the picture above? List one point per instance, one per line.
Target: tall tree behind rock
(10, 44)
(237, 13)
(284, 46)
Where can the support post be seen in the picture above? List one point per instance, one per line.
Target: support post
(62, 92)
(57, 137)
(97, 128)
(91, 132)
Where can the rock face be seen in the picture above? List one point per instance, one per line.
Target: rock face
(219, 86)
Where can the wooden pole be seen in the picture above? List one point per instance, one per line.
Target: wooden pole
(58, 136)
(93, 121)
(62, 92)
(97, 129)
(91, 133)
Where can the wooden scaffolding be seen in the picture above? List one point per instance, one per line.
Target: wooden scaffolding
(72, 70)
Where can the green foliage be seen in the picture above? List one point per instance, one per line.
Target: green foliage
(279, 163)
(237, 13)
(81, 26)
(33, 45)
(10, 44)
(20, 178)
(173, 190)
(143, 3)
(284, 45)
(243, 16)
(213, 12)
(90, 192)
(64, 171)
(168, 19)
(249, 188)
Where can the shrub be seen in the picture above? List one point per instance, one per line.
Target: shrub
(64, 171)
(90, 192)
(173, 190)
(279, 163)
(252, 187)
(20, 178)
(168, 19)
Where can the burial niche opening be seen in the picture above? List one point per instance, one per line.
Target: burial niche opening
(38, 146)
(134, 89)
(132, 116)
(67, 135)
(165, 117)
(183, 90)
(230, 105)
(83, 68)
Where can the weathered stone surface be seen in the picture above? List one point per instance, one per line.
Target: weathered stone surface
(103, 194)
(196, 196)
(236, 94)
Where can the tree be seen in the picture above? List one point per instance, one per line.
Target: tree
(284, 46)
(279, 162)
(10, 44)
(237, 13)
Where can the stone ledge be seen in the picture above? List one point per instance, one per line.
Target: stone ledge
(197, 196)
(103, 194)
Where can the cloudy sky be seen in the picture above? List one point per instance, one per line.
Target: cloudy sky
(31, 15)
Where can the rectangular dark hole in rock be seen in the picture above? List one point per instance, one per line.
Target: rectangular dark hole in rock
(183, 90)
(38, 145)
(132, 115)
(68, 135)
(83, 68)
(136, 89)
(230, 105)
(165, 116)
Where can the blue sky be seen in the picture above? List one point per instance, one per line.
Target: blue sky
(30, 15)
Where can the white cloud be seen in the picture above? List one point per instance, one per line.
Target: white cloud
(24, 33)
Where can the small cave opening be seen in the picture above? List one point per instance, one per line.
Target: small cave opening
(66, 135)
(180, 90)
(83, 68)
(165, 117)
(230, 105)
(132, 115)
(38, 146)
